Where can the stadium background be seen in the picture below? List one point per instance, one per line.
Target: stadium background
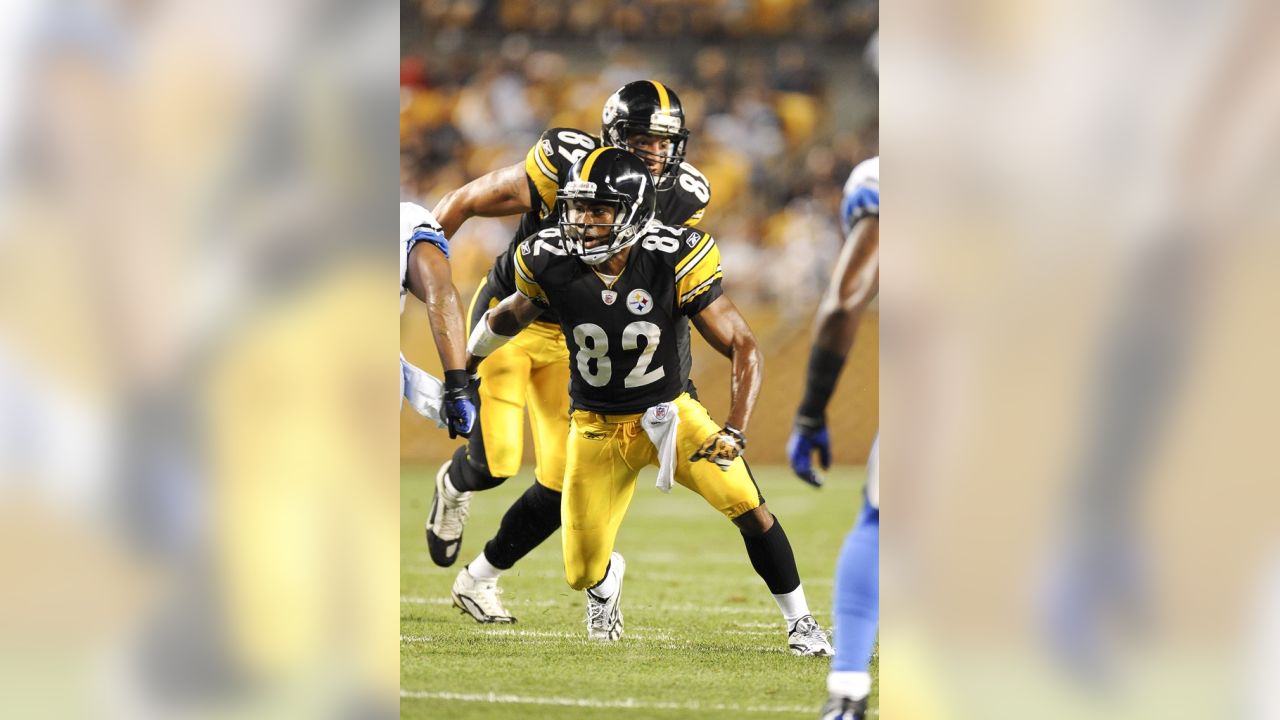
(781, 99)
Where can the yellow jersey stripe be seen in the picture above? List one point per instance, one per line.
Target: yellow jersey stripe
(699, 275)
(545, 183)
(705, 286)
(591, 160)
(471, 307)
(694, 219)
(663, 99)
(525, 282)
(691, 262)
(545, 164)
(696, 252)
(522, 268)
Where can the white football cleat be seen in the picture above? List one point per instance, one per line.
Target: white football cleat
(479, 599)
(806, 637)
(447, 518)
(604, 617)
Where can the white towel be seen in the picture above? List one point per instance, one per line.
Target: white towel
(660, 423)
(424, 391)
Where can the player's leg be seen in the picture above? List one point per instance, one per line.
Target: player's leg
(857, 600)
(535, 515)
(598, 485)
(735, 494)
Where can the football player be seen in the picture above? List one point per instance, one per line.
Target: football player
(857, 589)
(646, 118)
(620, 285)
(424, 271)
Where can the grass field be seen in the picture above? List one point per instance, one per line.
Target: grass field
(703, 637)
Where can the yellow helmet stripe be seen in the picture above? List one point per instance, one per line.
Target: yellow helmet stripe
(663, 100)
(591, 160)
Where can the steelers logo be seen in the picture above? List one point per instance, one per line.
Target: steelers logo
(639, 302)
(610, 110)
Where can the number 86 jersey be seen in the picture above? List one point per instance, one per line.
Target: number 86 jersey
(622, 333)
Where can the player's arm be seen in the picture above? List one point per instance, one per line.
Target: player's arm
(724, 328)
(854, 284)
(498, 325)
(430, 280)
(506, 319)
(497, 194)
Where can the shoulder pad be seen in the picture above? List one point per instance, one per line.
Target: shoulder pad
(694, 194)
(418, 225)
(551, 157)
(861, 193)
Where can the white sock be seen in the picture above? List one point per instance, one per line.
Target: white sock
(853, 685)
(792, 605)
(482, 569)
(607, 587)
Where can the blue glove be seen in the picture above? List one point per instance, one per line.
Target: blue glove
(458, 408)
(803, 441)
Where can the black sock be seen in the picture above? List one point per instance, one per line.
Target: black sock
(467, 476)
(773, 560)
(530, 520)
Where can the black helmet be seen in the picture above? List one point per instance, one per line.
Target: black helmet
(616, 177)
(649, 107)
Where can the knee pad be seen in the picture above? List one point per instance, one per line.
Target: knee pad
(468, 475)
(544, 501)
(535, 513)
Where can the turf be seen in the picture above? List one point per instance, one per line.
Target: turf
(703, 637)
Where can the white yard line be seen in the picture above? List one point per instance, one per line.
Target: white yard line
(760, 609)
(556, 638)
(657, 577)
(559, 634)
(624, 703)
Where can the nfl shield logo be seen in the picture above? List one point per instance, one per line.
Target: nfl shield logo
(608, 296)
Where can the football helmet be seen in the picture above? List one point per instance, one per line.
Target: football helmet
(647, 107)
(613, 177)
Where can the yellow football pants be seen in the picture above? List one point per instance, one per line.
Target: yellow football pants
(531, 370)
(603, 458)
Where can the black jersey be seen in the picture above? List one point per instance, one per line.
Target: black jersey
(548, 162)
(622, 336)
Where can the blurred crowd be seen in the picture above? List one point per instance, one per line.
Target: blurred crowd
(775, 126)
(839, 20)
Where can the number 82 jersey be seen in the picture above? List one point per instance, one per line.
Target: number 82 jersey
(622, 335)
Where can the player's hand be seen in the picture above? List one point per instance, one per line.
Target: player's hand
(804, 440)
(458, 409)
(721, 448)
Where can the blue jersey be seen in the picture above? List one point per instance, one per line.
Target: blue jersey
(861, 193)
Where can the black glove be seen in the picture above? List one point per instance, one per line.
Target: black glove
(458, 409)
(808, 437)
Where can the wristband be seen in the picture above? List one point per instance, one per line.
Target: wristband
(820, 382)
(737, 435)
(484, 341)
(456, 379)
